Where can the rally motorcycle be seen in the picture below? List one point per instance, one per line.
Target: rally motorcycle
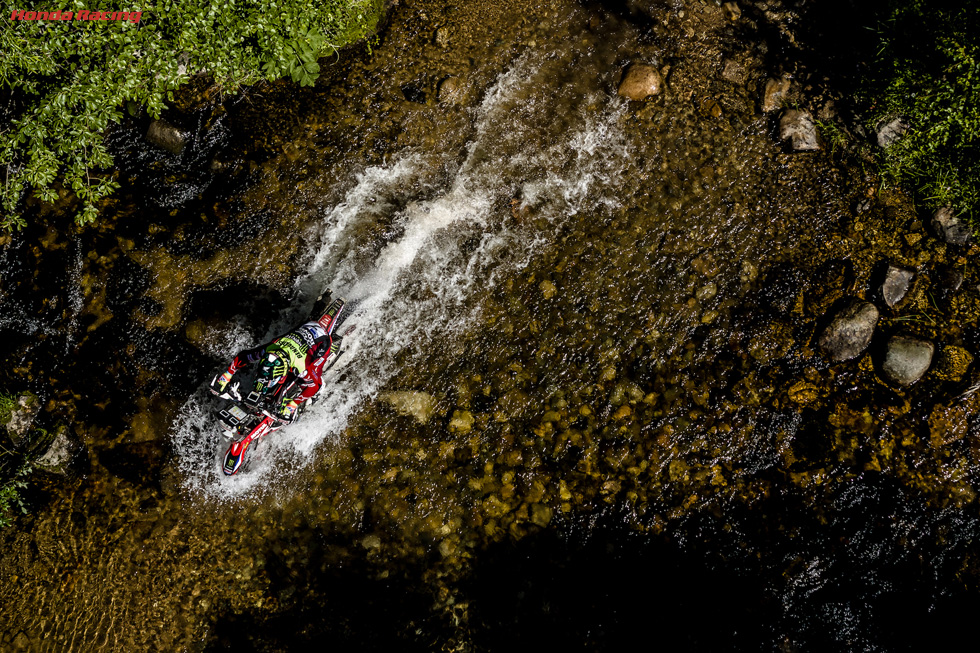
(248, 419)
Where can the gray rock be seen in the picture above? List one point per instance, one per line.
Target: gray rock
(777, 90)
(907, 359)
(640, 82)
(797, 127)
(890, 132)
(896, 284)
(164, 135)
(59, 454)
(950, 228)
(25, 409)
(850, 332)
(420, 405)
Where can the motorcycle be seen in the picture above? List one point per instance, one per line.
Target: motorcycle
(248, 419)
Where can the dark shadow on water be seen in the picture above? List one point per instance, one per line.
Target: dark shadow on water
(610, 591)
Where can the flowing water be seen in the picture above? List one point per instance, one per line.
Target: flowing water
(605, 310)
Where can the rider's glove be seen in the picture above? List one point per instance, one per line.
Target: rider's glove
(289, 409)
(219, 383)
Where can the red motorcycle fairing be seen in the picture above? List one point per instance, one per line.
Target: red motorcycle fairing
(235, 455)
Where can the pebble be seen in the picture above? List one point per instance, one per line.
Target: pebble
(797, 127)
(461, 422)
(640, 82)
(907, 359)
(896, 284)
(777, 90)
(420, 405)
(950, 227)
(164, 135)
(892, 131)
(850, 332)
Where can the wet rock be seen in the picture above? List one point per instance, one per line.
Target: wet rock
(750, 272)
(947, 424)
(420, 405)
(777, 90)
(891, 131)
(950, 281)
(441, 37)
(907, 359)
(850, 332)
(803, 393)
(734, 72)
(950, 228)
(953, 363)
(452, 90)
(23, 409)
(797, 127)
(732, 11)
(164, 135)
(640, 82)
(707, 292)
(59, 453)
(896, 284)
(461, 422)
(541, 514)
(548, 289)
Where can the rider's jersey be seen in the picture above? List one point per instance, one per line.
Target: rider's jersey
(305, 350)
(302, 345)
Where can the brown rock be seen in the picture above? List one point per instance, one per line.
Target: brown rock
(640, 82)
(777, 90)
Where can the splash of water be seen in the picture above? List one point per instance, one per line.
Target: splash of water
(559, 153)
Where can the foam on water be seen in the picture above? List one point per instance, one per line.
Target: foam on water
(451, 237)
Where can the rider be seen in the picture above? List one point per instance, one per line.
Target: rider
(303, 351)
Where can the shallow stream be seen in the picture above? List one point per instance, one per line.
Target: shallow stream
(580, 399)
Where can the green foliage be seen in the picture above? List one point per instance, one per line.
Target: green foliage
(928, 72)
(7, 403)
(10, 495)
(66, 81)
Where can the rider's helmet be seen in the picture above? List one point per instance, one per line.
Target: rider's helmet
(273, 371)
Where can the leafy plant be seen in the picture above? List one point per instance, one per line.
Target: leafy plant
(928, 73)
(10, 495)
(62, 82)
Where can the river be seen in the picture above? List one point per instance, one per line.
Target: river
(581, 405)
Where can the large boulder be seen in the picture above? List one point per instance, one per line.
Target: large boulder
(797, 127)
(849, 334)
(640, 82)
(896, 284)
(907, 359)
(950, 227)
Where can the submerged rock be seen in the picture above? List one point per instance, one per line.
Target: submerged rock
(420, 405)
(164, 135)
(777, 90)
(950, 228)
(907, 359)
(890, 132)
(953, 363)
(452, 90)
(461, 422)
(850, 332)
(640, 82)
(896, 284)
(797, 127)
